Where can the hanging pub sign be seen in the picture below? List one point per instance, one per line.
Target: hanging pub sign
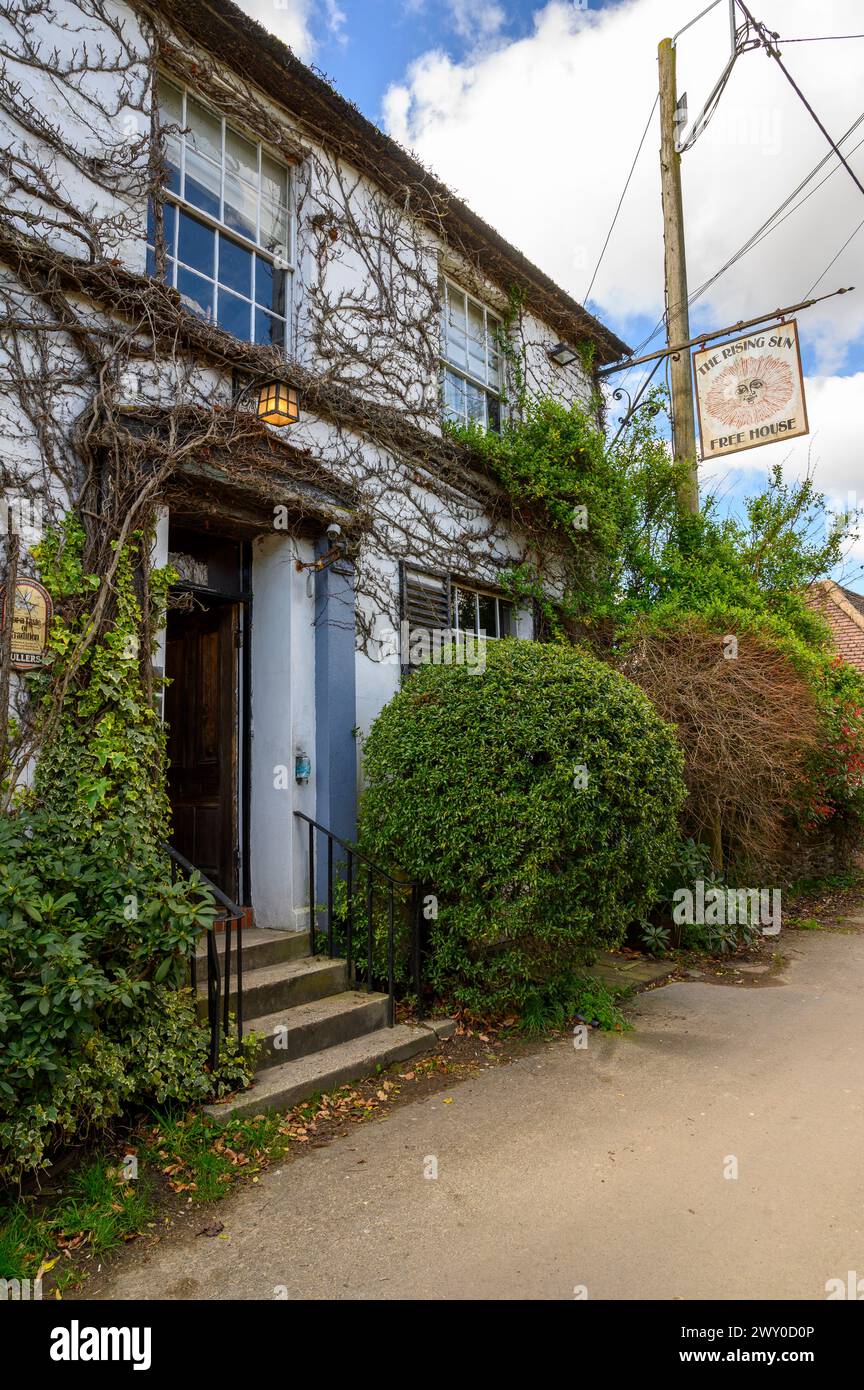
(750, 391)
(31, 616)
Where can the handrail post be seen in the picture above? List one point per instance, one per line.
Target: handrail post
(416, 973)
(370, 903)
(330, 896)
(227, 980)
(353, 885)
(311, 889)
(349, 915)
(239, 981)
(213, 991)
(234, 914)
(391, 1002)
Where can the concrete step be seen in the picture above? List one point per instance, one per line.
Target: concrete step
(282, 986)
(260, 947)
(281, 1087)
(306, 1028)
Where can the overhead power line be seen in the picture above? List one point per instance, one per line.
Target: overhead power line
(780, 214)
(695, 20)
(770, 41)
(826, 38)
(835, 259)
(768, 226)
(701, 15)
(621, 199)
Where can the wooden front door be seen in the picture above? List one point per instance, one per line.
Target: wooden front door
(201, 714)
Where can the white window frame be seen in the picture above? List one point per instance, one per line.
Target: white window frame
(285, 263)
(459, 590)
(482, 384)
(447, 586)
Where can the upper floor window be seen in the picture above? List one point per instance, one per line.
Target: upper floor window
(472, 375)
(227, 222)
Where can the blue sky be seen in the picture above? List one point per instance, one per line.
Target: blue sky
(379, 39)
(532, 111)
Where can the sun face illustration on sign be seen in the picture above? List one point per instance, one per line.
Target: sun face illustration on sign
(750, 390)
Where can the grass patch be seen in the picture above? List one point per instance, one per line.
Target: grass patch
(97, 1209)
(203, 1158)
(590, 1002)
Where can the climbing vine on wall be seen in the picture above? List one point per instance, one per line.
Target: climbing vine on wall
(115, 397)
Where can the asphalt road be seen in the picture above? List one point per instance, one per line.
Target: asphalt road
(598, 1172)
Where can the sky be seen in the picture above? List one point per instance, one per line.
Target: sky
(533, 112)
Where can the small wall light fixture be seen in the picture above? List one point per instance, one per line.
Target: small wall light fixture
(563, 354)
(276, 402)
(302, 767)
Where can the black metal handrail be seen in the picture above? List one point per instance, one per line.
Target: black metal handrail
(218, 983)
(352, 883)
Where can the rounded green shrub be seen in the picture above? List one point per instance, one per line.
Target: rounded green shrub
(536, 802)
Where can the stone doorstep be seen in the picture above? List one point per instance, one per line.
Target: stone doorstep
(284, 1086)
(260, 947)
(291, 1033)
(332, 1034)
(284, 984)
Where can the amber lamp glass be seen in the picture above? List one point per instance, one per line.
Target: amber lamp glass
(278, 404)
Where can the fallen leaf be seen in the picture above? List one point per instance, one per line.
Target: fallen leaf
(216, 1229)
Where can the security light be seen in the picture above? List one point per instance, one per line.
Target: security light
(563, 354)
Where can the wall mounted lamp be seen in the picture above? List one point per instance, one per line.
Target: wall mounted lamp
(277, 403)
(563, 354)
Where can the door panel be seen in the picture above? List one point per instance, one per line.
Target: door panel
(201, 714)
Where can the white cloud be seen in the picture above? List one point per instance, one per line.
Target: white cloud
(538, 136)
(476, 19)
(539, 133)
(336, 20)
(289, 20)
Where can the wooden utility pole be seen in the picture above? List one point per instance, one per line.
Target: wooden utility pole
(677, 312)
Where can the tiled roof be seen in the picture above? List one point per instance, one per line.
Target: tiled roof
(856, 600)
(843, 610)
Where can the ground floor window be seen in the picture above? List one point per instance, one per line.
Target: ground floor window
(475, 611)
(438, 601)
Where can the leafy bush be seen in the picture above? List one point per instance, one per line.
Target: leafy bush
(93, 951)
(615, 558)
(832, 793)
(593, 511)
(690, 866)
(94, 935)
(475, 791)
